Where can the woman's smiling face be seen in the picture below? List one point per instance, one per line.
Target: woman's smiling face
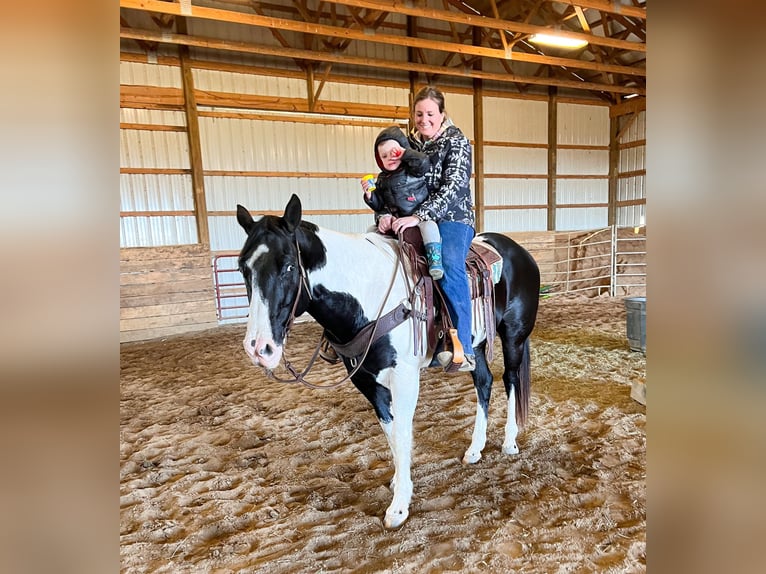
(428, 118)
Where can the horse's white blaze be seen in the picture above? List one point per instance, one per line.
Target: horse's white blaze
(260, 250)
(259, 339)
(479, 437)
(511, 428)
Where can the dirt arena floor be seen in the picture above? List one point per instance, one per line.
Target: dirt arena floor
(223, 470)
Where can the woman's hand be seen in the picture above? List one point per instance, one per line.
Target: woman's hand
(384, 223)
(402, 223)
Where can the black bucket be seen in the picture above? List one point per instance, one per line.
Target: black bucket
(635, 308)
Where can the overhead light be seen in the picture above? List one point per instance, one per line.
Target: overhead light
(557, 41)
(628, 96)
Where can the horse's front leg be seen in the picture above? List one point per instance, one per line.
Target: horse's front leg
(404, 383)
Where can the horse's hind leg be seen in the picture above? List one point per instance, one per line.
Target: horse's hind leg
(482, 382)
(513, 355)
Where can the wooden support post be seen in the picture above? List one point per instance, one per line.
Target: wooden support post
(614, 168)
(552, 148)
(478, 138)
(310, 85)
(195, 148)
(413, 75)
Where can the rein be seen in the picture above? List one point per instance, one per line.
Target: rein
(401, 310)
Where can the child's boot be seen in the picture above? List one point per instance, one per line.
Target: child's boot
(434, 258)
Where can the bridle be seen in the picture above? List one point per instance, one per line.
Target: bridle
(301, 377)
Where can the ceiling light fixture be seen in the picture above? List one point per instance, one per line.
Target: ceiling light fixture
(558, 41)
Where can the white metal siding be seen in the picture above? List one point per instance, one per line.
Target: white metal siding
(136, 73)
(154, 231)
(576, 218)
(139, 148)
(526, 161)
(582, 190)
(514, 120)
(515, 191)
(516, 220)
(582, 162)
(582, 124)
(158, 117)
(155, 192)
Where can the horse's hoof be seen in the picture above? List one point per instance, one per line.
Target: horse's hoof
(471, 457)
(395, 519)
(510, 449)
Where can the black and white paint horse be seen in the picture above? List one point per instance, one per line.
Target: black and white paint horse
(341, 280)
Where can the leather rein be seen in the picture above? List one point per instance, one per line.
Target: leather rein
(391, 319)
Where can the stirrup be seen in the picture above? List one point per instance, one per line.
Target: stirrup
(328, 353)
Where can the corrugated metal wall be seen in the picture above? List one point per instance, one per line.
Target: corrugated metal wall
(507, 122)
(582, 125)
(633, 161)
(262, 160)
(167, 153)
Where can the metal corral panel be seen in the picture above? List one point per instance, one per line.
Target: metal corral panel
(514, 120)
(155, 231)
(264, 145)
(155, 192)
(139, 74)
(515, 191)
(272, 193)
(582, 124)
(233, 82)
(140, 148)
(516, 220)
(575, 218)
(156, 117)
(582, 162)
(526, 161)
(582, 191)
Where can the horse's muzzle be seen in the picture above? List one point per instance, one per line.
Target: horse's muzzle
(264, 353)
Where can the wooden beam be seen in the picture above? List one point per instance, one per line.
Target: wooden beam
(629, 106)
(228, 16)
(614, 166)
(552, 146)
(478, 136)
(195, 147)
(408, 8)
(245, 47)
(151, 127)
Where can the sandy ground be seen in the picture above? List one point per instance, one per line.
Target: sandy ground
(224, 470)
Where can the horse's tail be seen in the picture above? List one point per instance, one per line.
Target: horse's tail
(522, 392)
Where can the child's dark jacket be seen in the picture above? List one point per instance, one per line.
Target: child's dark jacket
(399, 192)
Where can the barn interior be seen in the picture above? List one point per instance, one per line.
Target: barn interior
(242, 101)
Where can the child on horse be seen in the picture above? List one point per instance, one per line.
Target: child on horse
(401, 188)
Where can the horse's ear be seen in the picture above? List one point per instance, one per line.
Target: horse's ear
(293, 213)
(245, 219)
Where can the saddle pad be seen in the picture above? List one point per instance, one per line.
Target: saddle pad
(489, 255)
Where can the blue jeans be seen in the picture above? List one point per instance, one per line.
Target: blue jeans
(456, 241)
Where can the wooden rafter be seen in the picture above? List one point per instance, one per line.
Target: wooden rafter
(317, 33)
(244, 47)
(325, 30)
